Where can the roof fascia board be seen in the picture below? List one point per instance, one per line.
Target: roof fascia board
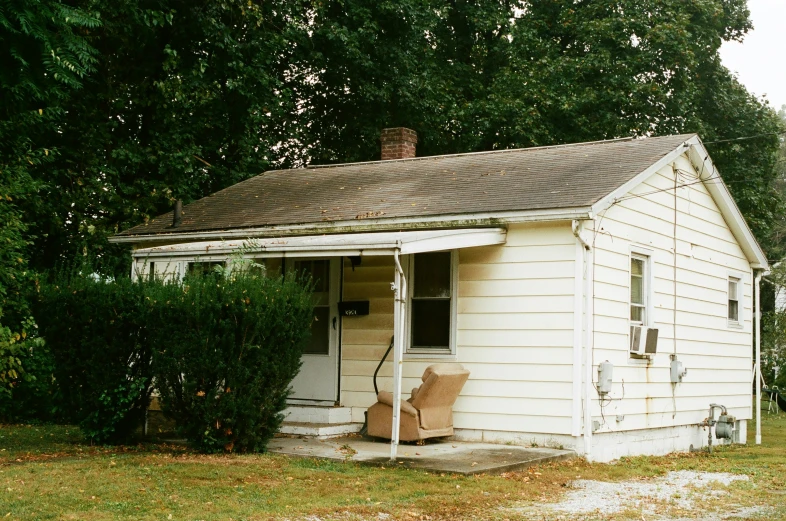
(731, 213)
(341, 245)
(622, 190)
(221, 255)
(371, 225)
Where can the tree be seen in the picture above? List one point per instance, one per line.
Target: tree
(779, 228)
(187, 97)
(190, 97)
(44, 55)
(492, 74)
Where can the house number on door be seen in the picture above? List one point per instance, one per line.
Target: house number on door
(353, 308)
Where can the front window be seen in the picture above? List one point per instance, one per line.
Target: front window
(734, 300)
(432, 293)
(638, 289)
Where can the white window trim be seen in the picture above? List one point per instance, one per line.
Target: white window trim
(649, 284)
(446, 354)
(740, 278)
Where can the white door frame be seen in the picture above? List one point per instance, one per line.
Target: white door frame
(316, 367)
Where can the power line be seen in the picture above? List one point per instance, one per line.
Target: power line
(697, 181)
(744, 138)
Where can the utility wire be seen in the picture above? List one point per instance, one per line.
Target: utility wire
(744, 138)
(697, 181)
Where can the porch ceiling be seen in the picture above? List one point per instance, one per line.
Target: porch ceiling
(350, 244)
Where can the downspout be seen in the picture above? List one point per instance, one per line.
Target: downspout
(757, 326)
(399, 310)
(578, 227)
(578, 333)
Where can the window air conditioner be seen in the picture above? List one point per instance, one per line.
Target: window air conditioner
(643, 341)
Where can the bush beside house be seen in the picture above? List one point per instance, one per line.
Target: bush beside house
(225, 352)
(96, 333)
(221, 350)
(27, 393)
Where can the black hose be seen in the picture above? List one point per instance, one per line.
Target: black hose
(376, 390)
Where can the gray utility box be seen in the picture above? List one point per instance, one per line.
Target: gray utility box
(605, 373)
(678, 371)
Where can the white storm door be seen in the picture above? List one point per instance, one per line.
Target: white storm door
(318, 376)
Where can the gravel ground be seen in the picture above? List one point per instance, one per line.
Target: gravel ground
(654, 499)
(677, 496)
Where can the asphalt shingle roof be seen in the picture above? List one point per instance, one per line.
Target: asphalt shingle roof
(559, 177)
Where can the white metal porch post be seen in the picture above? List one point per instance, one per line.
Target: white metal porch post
(757, 319)
(399, 310)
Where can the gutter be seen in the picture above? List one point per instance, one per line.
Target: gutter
(757, 327)
(366, 225)
(585, 355)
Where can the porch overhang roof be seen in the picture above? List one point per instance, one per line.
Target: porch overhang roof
(336, 245)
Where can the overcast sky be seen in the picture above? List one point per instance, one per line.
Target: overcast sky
(760, 60)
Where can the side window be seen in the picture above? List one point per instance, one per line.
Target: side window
(201, 269)
(273, 266)
(639, 289)
(734, 301)
(432, 295)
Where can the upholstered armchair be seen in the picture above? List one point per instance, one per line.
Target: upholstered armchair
(428, 412)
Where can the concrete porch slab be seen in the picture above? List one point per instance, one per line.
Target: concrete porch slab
(456, 457)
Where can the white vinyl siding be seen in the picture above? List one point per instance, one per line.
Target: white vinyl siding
(718, 358)
(514, 333)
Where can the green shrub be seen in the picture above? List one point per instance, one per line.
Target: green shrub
(95, 332)
(26, 377)
(226, 350)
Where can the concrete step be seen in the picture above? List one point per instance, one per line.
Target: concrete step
(320, 431)
(317, 414)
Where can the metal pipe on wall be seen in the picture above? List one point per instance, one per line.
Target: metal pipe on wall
(400, 295)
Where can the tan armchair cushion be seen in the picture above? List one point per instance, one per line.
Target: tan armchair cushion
(442, 384)
(387, 398)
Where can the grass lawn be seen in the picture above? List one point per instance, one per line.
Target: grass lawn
(46, 472)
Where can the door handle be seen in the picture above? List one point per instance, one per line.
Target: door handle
(334, 323)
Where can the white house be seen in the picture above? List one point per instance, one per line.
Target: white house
(530, 267)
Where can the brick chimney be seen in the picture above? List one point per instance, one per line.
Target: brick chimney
(398, 143)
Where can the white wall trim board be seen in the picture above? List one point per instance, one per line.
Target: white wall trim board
(338, 245)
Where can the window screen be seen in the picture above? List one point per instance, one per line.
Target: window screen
(638, 289)
(201, 269)
(319, 271)
(431, 301)
(734, 301)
